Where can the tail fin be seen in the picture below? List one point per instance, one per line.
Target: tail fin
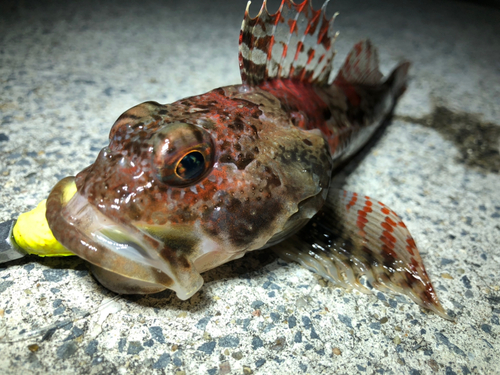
(398, 79)
(296, 43)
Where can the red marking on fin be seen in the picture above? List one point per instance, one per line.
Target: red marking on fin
(352, 201)
(310, 55)
(411, 245)
(360, 66)
(343, 243)
(391, 222)
(389, 236)
(279, 45)
(293, 26)
(270, 48)
(387, 227)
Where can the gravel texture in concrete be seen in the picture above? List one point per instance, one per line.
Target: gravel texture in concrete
(67, 71)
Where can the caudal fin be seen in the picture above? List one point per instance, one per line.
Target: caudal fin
(398, 79)
(296, 42)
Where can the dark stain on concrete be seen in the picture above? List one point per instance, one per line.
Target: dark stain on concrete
(477, 141)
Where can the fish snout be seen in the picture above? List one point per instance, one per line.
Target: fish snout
(123, 258)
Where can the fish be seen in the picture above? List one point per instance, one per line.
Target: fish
(185, 187)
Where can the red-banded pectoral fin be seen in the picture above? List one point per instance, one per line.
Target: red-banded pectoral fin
(354, 236)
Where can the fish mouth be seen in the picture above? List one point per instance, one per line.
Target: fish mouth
(124, 258)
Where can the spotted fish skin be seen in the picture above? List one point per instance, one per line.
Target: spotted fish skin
(184, 187)
(263, 169)
(246, 180)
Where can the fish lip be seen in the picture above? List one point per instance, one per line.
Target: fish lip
(91, 235)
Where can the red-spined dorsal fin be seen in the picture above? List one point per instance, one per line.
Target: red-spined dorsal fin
(354, 236)
(296, 42)
(361, 65)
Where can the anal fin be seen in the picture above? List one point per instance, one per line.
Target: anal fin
(354, 236)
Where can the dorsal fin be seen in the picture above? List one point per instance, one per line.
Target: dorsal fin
(296, 42)
(361, 65)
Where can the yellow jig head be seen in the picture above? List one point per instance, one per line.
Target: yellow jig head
(33, 235)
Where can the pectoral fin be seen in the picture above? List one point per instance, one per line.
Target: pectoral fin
(355, 236)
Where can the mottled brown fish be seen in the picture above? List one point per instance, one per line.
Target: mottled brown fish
(185, 187)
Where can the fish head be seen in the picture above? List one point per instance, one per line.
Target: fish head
(185, 187)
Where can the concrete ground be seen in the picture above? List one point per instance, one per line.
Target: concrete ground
(67, 71)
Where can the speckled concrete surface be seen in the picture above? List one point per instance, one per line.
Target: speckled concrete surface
(67, 72)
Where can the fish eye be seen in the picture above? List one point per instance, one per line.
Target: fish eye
(191, 165)
(183, 154)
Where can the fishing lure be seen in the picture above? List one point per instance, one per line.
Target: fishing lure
(185, 187)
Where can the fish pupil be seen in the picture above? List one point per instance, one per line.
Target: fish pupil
(191, 165)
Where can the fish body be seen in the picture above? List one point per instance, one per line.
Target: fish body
(185, 187)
